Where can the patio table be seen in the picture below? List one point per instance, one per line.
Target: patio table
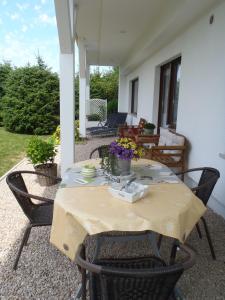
(170, 209)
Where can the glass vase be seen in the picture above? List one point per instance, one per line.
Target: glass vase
(120, 167)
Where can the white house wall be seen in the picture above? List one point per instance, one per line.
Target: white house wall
(201, 110)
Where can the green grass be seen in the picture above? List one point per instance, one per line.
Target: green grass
(12, 149)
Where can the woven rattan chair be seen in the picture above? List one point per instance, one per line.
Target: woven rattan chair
(38, 214)
(203, 191)
(102, 151)
(137, 278)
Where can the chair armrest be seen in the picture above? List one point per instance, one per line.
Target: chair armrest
(58, 179)
(43, 199)
(188, 171)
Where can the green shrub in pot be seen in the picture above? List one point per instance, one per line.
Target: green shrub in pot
(149, 128)
(41, 153)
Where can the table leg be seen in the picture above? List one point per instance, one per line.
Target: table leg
(173, 253)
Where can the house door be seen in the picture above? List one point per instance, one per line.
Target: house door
(169, 93)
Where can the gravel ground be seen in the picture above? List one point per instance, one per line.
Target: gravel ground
(44, 273)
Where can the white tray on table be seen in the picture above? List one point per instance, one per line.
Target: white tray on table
(131, 194)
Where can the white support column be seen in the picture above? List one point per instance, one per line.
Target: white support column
(65, 17)
(82, 89)
(87, 89)
(123, 105)
(67, 110)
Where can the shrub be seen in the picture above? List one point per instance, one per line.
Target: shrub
(5, 69)
(78, 138)
(56, 134)
(40, 151)
(93, 117)
(112, 106)
(31, 101)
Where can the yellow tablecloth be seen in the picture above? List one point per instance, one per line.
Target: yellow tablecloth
(169, 209)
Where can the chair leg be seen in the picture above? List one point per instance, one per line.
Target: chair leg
(208, 238)
(25, 238)
(159, 241)
(173, 252)
(84, 283)
(199, 231)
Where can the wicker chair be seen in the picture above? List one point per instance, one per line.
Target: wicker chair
(137, 278)
(102, 151)
(203, 191)
(38, 214)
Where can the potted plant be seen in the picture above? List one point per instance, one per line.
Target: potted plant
(42, 153)
(122, 151)
(148, 128)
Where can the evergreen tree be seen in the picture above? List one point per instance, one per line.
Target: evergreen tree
(31, 101)
(5, 69)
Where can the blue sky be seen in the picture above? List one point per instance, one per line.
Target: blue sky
(28, 27)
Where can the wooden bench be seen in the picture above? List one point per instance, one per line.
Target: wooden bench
(168, 148)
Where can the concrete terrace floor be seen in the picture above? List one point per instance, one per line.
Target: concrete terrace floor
(44, 273)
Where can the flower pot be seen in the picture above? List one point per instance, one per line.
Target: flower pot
(47, 169)
(147, 131)
(121, 167)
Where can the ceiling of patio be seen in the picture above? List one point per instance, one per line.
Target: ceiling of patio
(124, 32)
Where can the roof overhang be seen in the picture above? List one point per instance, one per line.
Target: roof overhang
(126, 32)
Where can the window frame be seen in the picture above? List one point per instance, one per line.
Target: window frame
(132, 98)
(173, 65)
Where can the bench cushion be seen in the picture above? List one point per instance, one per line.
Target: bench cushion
(168, 138)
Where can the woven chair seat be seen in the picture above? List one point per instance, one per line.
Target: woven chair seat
(43, 214)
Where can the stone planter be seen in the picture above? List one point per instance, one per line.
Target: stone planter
(47, 169)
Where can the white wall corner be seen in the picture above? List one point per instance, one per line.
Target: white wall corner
(122, 98)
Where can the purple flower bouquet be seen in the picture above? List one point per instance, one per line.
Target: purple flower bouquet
(125, 149)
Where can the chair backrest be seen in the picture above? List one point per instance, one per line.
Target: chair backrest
(102, 151)
(17, 186)
(116, 119)
(141, 123)
(138, 278)
(207, 180)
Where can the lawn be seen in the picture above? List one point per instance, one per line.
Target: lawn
(12, 149)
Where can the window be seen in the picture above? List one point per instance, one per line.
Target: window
(134, 96)
(169, 93)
